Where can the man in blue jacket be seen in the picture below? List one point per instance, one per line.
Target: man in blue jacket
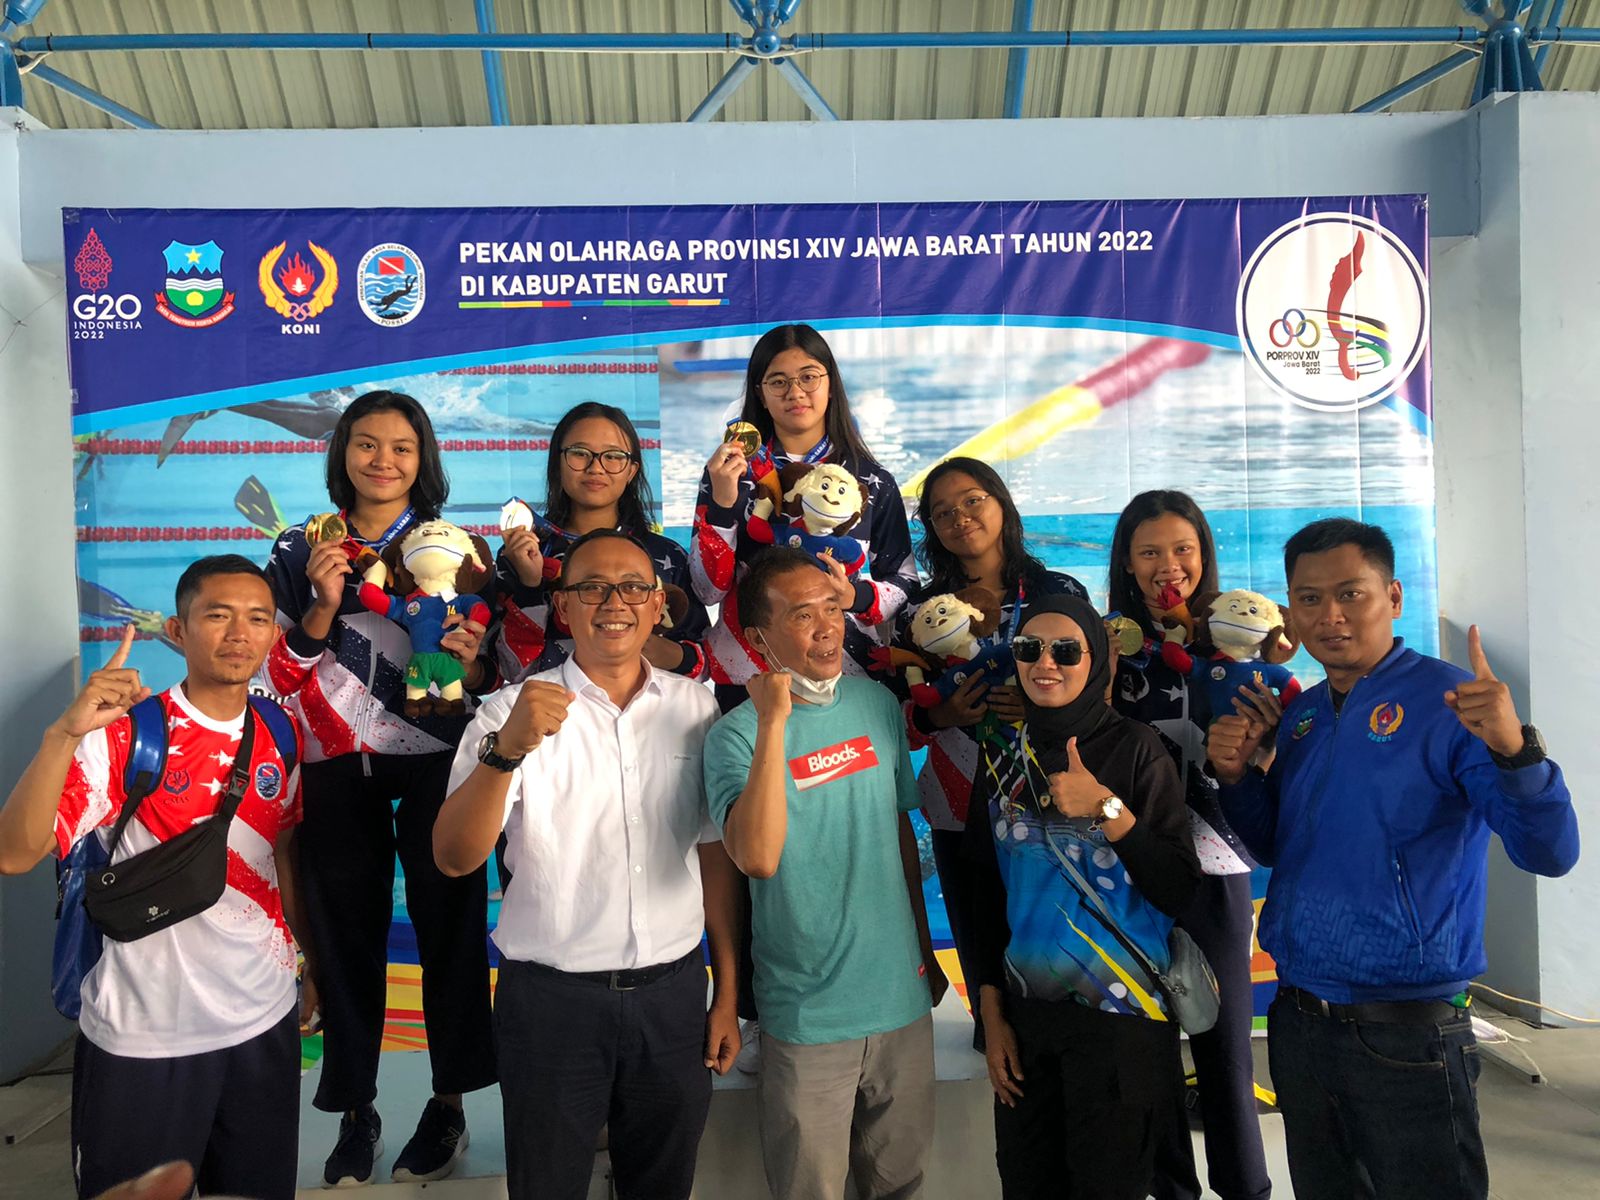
(1375, 818)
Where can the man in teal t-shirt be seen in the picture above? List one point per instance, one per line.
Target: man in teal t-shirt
(810, 781)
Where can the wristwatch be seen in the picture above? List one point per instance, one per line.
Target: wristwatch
(488, 756)
(1533, 751)
(1110, 810)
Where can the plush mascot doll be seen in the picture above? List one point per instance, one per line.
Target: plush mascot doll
(945, 630)
(436, 569)
(1245, 633)
(821, 504)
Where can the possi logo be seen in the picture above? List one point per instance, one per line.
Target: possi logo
(832, 762)
(1333, 311)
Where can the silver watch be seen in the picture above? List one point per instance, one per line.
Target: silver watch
(1110, 809)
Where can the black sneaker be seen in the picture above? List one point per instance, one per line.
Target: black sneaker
(359, 1147)
(435, 1148)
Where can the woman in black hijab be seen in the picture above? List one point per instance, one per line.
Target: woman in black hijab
(1083, 854)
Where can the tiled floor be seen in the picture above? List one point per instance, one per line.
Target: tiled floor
(1543, 1141)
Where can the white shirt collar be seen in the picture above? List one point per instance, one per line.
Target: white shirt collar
(578, 683)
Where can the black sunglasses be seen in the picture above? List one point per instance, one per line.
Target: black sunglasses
(1067, 652)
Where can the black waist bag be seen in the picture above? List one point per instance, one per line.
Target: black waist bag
(147, 892)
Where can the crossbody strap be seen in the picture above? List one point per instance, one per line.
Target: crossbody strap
(1083, 886)
(238, 780)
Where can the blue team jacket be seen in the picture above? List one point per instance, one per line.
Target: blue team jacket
(1376, 824)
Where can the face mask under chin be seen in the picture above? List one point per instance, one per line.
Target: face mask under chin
(817, 691)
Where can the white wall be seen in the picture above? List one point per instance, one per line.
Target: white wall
(745, 164)
(37, 607)
(1557, 168)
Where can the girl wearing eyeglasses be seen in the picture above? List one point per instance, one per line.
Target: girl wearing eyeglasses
(795, 397)
(1163, 541)
(971, 536)
(1081, 858)
(595, 480)
(342, 669)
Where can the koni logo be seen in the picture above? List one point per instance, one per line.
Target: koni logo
(832, 762)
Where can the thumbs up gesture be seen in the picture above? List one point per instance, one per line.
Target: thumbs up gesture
(1483, 703)
(1076, 792)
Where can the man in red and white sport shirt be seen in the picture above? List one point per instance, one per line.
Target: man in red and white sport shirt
(190, 1046)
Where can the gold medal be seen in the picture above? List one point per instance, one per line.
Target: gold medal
(326, 527)
(746, 435)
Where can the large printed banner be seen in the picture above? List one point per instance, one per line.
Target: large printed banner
(1268, 356)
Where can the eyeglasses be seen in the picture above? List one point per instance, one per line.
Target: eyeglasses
(1066, 652)
(809, 381)
(614, 462)
(968, 506)
(594, 592)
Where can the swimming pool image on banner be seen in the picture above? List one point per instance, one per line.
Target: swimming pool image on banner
(1084, 375)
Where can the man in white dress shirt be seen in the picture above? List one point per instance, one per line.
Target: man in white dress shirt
(593, 771)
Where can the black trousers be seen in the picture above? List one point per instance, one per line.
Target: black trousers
(1378, 1109)
(576, 1056)
(233, 1115)
(1097, 1090)
(349, 838)
(1220, 919)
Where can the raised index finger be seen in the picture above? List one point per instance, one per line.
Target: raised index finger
(120, 655)
(1476, 656)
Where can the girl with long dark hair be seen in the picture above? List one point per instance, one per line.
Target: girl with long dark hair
(1163, 541)
(594, 480)
(342, 669)
(971, 537)
(795, 397)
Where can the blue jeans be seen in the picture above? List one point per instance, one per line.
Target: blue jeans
(1375, 1109)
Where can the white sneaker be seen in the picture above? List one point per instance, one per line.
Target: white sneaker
(749, 1060)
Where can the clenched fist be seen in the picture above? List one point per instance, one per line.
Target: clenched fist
(539, 711)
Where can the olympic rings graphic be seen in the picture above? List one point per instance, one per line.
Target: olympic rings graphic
(1304, 330)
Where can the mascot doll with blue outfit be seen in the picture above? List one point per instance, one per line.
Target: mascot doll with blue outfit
(821, 504)
(1239, 640)
(436, 569)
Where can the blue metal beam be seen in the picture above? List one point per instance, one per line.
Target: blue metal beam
(10, 79)
(1017, 59)
(1419, 81)
(624, 43)
(90, 97)
(1055, 39)
(1537, 28)
(724, 88)
(1507, 64)
(19, 12)
(695, 43)
(805, 89)
(494, 78)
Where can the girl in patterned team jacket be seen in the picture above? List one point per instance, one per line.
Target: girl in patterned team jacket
(795, 397)
(595, 480)
(972, 537)
(341, 669)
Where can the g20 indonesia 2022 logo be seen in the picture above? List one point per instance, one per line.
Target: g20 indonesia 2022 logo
(1333, 311)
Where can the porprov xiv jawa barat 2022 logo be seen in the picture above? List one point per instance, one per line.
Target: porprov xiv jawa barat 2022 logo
(1333, 311)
